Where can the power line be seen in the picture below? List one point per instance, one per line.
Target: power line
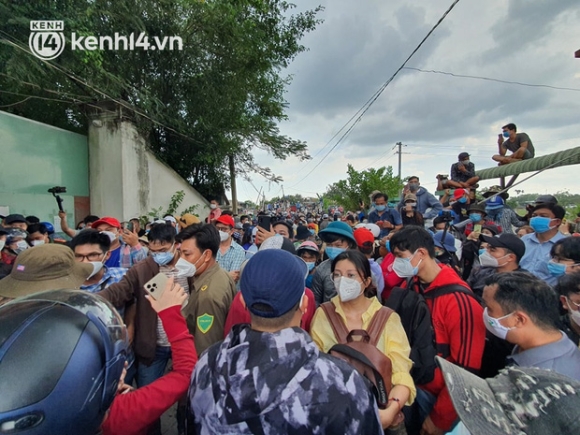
(509, 82)
(378, 93)
(15, 104)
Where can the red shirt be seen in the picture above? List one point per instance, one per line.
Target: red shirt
(134, 412)
(392, 280)
(239, 314)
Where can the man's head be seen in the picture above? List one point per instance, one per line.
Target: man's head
(37, 234)
(283, 228)
(547, 217)
(188, 219)
(477, 212)
(364, 240)
(461, 195)
(413, 183)
(338, 237)
(32, 219)
(16, 241)
(413, 248)
(136, 224)
(162, 243)
(509, 130)
(518, 305)
(170, 220)
(463, 157)
(272, 287)
(439, 223)
(15, 221)
(108, 225)
(213, 204)
(225, 225)
(91, 246)
(380, 200)
(309, 252)
(199, 246)
(565, 255)
(90, 219)
(506, 249)
(568, 288)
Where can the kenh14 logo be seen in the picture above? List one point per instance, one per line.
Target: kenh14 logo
(46, 39)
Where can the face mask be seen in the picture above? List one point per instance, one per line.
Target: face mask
(310, 265)
(162, 258)
(403, 267)
(224, 236)
(475, 217)
(97, 266)
(413, 187)
(380, 207)
(2, 244)
(574, 315)
(213, 206)
(333, 252)
(540, 224)
(193, 269)
(347, 288)
(37, 242)
(487, 260)
(465, 162)
(505, 134)
(482, 250)
(493, 212)
(492, 324)
(462, 200)
(412, 204)
(112, 236)
(185, 268)
(556, 269)
(21, 246)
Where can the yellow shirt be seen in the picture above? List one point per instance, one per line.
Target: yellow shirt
(393, 341)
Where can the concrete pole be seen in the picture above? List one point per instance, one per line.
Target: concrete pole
(233, 185)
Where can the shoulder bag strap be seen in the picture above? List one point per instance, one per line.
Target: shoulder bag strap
(338, 327)
(378, 323)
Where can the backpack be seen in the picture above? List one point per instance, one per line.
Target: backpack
(416, 319)
(359, 348)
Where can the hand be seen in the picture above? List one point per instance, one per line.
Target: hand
(474, 235)
(235, 274)
(130, 238)
(173, 295)
(387, 416)
(429, 428)
(263, 234)
(500, 139)
(62, 214)
(447, 192)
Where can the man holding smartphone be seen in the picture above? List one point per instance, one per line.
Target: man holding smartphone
(519, 144)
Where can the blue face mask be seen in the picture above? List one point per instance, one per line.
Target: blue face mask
(506, 134)
(540, 224)
(556, 269)
(380, 207)
(162, 258)
(462, 200)
(493, 212)
(333, 252)
(388, 245)
(310, 265)
(475, 217)
(481, 251)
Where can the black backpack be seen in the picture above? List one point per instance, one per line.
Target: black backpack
(417, 322)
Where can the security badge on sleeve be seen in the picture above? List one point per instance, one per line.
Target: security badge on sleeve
(205, 322)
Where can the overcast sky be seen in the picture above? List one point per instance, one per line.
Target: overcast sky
(362, 43)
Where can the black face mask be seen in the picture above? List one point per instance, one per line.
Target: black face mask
(444, 258)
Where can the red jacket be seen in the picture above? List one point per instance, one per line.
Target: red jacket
(459, 336)
(392, 280)
(134, 412)
(238, 313)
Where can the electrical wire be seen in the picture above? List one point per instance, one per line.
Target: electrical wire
(378, 93)
(15, 104)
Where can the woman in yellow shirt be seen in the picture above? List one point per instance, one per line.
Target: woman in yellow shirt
(351, 274)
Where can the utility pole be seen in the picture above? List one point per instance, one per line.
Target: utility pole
(400, 153)
(233, 184)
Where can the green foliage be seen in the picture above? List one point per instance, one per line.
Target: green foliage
(174, 202)
(359, 185)
(222, 95)
(570, 202)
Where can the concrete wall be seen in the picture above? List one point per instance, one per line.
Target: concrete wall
(35, 157)
(126, 179)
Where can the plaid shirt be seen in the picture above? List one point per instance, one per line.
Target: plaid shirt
(111, 276)
(505, 219)
(233, 258)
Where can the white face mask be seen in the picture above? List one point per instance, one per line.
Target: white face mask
(97, 266)
(2, 244)
(347, 288)
(37, 242)
(404, 268)
(224, 236)
(488, 260)
(574, 315)
(492, 324)
(112, 236)
(21, 245)
(185, 268)
(213, 206)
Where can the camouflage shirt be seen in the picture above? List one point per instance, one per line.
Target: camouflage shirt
(268, 383)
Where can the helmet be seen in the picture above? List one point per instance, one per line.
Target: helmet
(66, 350)
(49, 227)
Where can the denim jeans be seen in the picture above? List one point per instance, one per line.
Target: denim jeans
(148, 374)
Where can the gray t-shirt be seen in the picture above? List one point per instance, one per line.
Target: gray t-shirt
(515, 145)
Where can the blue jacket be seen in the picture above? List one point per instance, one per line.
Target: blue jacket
(425, 200)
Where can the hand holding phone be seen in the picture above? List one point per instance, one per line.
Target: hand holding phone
(156, 286)
(172, 295)
(265, 222)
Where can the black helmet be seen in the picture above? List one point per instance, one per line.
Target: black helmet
(62, 353)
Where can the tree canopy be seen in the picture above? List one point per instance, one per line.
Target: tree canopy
(222, 95)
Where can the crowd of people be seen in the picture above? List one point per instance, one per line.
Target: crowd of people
(409, 319)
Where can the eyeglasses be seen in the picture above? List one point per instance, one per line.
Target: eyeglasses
(93, 256)
(573, 303)
(224, 229)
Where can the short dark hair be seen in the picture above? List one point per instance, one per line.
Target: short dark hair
(272, 322)
(568, 284)
(32, 219)
(558, 210)
(524, 292)
(360, 261)
(380, 195)
(163, 233)
(351, 218)
(333, 237)
(412, 177)
(90, 219)
(438, 220)
(510, 126)
(566, 248)
(37, 227)
(411, 238)
(287, 225)
(91, 237)
(206, 237)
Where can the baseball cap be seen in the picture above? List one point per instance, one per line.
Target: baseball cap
(275, 280)
(508, 241)
(111, 221)
(458, 193)
(188, 219)
(494, 203)
(325, 216)
(462, 156)
(12, 218)
(278, 242)
(447, 243)
(520, 400)
(546, 199)
(308, 246)
(363, 236)
(338, 228)
(226, 219)
(410, 197)
(44, 267)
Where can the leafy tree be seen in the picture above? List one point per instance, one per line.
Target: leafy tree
(221, 96)
(359, 185)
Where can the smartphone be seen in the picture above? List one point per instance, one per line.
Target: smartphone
(265, 222)
(127, 226)
(156, 286)
(477, 228)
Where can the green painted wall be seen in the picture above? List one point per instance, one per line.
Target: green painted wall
(35, 157)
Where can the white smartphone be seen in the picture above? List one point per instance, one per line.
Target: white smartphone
(156, 286)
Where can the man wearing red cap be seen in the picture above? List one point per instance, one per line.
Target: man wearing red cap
(125, 251)
(230, 255)
(460, 205)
